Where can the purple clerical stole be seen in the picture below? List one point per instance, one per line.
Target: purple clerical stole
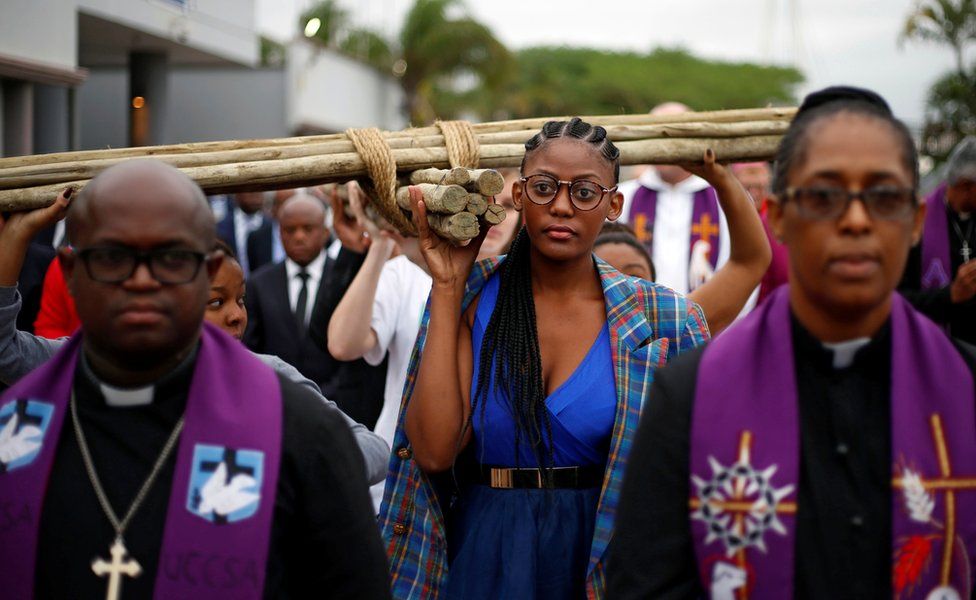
(936, 263)
(745, 459)
(224, 486)
(704, 221)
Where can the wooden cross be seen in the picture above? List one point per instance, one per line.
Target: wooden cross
(116, 569)
(739, 506)
(705, 229)
(949, 486)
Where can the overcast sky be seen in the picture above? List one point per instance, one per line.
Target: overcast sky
(831, 41)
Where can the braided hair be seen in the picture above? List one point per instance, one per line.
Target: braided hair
(510, 351)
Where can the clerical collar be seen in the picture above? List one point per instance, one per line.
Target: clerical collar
(143, 395)
(839, 355)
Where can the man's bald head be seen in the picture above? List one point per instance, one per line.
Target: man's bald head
(671, 174)
(670, 108)
(138, 181)
(303, 232)
(303, 202)
(150, 216)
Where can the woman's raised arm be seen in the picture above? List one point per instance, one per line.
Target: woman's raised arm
(723, 296)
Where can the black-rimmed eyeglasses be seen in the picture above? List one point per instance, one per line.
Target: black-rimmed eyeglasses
(111, 264)
(883, 202)
(584, 194)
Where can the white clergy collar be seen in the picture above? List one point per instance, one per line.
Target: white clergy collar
(650, 179)
(126, 397)
(844, 352)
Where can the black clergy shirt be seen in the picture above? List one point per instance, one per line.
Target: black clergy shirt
(843, 528)
(324, 540)
(960, 318)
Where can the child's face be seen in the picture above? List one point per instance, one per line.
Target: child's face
(559, 230)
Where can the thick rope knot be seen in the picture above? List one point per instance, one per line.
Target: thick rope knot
(381, 167)
(462, 146)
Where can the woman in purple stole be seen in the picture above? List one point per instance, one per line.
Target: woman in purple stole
(825, 446)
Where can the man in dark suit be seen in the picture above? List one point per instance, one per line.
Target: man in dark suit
(284, 298)
(237, 217)
(264, 243)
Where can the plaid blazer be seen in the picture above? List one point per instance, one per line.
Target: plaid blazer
(648, 325)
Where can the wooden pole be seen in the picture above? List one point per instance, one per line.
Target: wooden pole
(304, 171)
(96, 161)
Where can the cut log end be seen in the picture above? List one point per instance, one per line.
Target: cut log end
(457, 229)
(477, 204)
(442, 199)
(494, 214)
(486, 182)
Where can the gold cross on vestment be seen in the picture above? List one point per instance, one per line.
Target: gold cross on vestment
(116, 569)
(704, 228)
(740, 506)
(947, 484)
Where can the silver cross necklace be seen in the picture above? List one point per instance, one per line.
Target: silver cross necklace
(118, 566)
(966, 251)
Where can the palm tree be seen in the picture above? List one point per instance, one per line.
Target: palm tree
(331, 20)
(949, 22)
(446, 57)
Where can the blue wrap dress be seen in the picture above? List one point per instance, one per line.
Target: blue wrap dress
(532, 543)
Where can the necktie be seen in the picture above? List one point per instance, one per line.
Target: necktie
(302, 302)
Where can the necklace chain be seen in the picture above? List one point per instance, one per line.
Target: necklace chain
(963, 239)
(96, 483)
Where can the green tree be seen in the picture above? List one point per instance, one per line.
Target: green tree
(950, 114)
(583, 81)
(332, 19)
(450, 61)
(950, 108)
(948, 22)
(369, 46)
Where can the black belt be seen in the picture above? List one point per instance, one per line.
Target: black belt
(557, 477)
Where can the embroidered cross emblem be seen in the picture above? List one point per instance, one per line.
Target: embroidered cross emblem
(945, 483)
(739, 504)
(705, 229)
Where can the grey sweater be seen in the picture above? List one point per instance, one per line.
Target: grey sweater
(21, 352)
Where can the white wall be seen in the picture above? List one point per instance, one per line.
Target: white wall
(40, 30)
(331, 92)
(224, 28)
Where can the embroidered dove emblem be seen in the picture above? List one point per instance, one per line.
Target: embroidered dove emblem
(223, 498)
(17, 445)
(699, 269)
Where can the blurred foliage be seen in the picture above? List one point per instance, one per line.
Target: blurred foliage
(272, 53)
(333, 18)
(452, 66)
(950, 114)
(368, 46)
(448, 56)
(565, 81)
(950, 23)
(950, 108)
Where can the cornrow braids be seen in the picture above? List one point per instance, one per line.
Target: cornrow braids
(581, 130)
(510, 352)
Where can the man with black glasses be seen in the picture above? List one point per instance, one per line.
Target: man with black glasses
(154, 456)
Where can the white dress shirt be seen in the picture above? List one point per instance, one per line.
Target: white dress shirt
(672, 226)
(244, 224)
(314, 270)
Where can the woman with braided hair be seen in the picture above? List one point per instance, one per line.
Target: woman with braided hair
(525, 389)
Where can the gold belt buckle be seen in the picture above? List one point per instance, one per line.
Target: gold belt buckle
(501, 478)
